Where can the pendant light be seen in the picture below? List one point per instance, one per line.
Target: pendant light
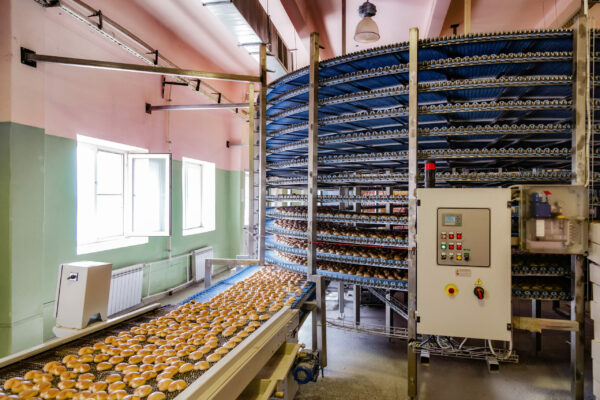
(366, 30)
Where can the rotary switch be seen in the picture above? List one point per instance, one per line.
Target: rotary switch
(479, 292)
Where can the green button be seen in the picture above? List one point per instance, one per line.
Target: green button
(443, 247)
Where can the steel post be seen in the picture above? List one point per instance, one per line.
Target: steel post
(357, 292)
(262, 155)
(580, 152)
(412, 209)
(313, 138)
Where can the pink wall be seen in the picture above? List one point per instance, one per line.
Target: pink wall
(5, 59)
(67, 101)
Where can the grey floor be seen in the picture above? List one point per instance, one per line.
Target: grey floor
(369, 367)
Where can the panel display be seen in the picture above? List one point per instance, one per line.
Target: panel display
(463, 237)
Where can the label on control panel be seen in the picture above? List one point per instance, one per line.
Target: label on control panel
(463, 237)
(463, 272)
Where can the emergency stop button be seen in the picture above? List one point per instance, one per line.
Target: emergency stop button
(451, 290)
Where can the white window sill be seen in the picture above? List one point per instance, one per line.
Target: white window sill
(195, 231)
(111, 244)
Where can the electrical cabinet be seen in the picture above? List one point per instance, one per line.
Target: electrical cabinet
(464, 263)
(553, 218)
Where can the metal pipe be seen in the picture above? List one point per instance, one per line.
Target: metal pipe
(343, 27)
(146, 69)
(194, 107)
(412, 209)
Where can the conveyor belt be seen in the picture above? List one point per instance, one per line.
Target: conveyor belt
(38, 361)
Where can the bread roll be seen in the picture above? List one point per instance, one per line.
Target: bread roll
(98, 386)
(28, 394)
(213, 358)
(163, 384)
(98, 358)
(128, 377)
(157, 396)
(130, 368)
(85, 350)
(83, 384)
(117, 395)
(165, 375)
(81, 368)
(88, 376)
(118, 385)
(66, 384)
(112, 378)
(12, 382)
(222, 351)
(104, 366)
(143, 390)
(68, 375)
(101, 395)
(50, 393)
(66, 394)
(147, 375)
(116, 360)
(42, 386)
(135, 359)
(187, 367)
(31, 375)
(177, 386)
(202, 365)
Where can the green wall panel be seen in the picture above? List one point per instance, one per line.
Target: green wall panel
(38, 213)
(5, 265)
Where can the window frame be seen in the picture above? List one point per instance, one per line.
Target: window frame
(207, 196)
(114, 242)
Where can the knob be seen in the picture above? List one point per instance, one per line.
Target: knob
(479, 292)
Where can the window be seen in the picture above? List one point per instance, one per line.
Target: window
(198, 193)
(246, 198)
(123, 195)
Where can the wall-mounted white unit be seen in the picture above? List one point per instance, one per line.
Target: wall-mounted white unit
(198, 257)
(464, 263)
(553, 218)
(82, 293)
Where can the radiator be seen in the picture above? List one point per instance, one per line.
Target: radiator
(198, 257)
(125, 288)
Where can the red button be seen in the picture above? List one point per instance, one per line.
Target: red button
(459, 247)
(459, 235)
(451, 236)
(451, 290)
(443, 236)
(451, 247)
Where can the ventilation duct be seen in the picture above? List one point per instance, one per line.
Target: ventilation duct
(251, 26)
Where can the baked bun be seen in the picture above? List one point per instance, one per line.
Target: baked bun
(143, 390)
(177, 385)
(202, 365)
(157, 396)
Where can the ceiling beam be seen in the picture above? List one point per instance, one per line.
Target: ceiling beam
(434, 21)
(305, 18)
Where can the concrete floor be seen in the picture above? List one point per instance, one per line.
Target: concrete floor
(363, 366)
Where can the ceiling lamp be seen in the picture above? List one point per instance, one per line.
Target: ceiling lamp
(367, 30)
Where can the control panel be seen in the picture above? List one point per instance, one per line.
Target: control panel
(464, 263)
(463, 236)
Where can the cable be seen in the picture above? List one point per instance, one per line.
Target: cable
(507, 356)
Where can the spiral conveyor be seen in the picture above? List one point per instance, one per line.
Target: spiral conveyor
(493, 110)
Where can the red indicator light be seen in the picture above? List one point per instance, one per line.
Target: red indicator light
(443, 236)
(451, 236)
(459, 247)
(451, 247)
(459, 235)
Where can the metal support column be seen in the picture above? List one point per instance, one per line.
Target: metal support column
(251, 250)
(467, 17)
(536, 312)
(581, 54)
(412, 210)
(389, 316)
(319, 322)
(262, 196)
(356, 295)
(341, 298)
(313, 140)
